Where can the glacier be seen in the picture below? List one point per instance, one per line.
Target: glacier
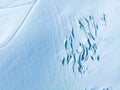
(59, 45)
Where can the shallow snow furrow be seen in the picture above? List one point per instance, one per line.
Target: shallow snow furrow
(13, 32)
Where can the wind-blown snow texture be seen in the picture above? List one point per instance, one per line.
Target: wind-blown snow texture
(59, 45)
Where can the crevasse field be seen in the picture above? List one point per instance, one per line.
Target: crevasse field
(59, 45)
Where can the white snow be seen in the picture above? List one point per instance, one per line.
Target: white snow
(32, 45)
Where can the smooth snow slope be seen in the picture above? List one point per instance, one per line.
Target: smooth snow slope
(12, 18)
(59, 45)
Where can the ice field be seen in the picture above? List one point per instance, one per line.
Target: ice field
(59, 45)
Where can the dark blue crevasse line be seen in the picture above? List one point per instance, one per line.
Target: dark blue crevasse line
(86, 49)
(83, 53)
(69, 56)
(91, 36)
(89, 43)
(65, 45)
(63, 61)
(72, 32)
(98, 57)
(81, 25)
(104, 19)
(95, 27)
(79, 64)
(92, 57)
(88, 25)
(94, 47)
(71, 43)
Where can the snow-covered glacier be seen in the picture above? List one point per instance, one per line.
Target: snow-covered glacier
(59, 45)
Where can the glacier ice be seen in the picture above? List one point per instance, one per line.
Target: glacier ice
(59, 45)
(90, 27)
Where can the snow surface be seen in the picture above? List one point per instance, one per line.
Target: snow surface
(59, 45)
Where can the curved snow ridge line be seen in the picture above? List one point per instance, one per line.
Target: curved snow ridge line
(18, 5)
(8, 41)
